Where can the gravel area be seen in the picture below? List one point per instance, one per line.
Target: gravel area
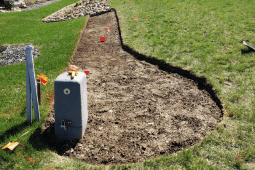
(29, 7)
(38, 5)
(15, 54)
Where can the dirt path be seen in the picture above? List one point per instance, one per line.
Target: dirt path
(183, 107)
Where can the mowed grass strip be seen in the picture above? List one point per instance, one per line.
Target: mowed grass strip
(203, 36)
(207, 38)
(56, 42)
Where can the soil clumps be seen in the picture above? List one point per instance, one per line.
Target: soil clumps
(139, 107)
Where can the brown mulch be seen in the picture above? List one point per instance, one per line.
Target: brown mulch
(140, 90)
(2, 48)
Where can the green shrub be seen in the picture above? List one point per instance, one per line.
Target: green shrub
(8, 4)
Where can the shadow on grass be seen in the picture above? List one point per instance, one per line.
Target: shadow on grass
(39, 140)
(15, 129)
(246, 51)
(48, 140)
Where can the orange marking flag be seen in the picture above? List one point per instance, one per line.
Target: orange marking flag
(10, 145)
(43, 79)
(109, 29)
(31, 160)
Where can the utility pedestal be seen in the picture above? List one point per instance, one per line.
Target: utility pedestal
(71, 110)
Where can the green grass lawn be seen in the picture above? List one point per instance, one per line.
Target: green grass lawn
(200, 35)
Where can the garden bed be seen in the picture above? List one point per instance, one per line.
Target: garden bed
(136, 109)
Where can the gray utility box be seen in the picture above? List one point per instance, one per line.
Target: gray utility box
(71, 110)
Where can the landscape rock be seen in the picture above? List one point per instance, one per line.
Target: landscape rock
(22, 5)
(16, 9)
(77, 10)
(15, 54)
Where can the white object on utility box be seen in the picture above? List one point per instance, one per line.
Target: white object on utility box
(249, 45)
(71, 110)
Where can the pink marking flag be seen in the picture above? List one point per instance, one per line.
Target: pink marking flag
(109, 29)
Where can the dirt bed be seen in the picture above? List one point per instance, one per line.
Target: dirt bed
(139, 107)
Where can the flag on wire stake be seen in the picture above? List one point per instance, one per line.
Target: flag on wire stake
(10, 146)
(31, 86)
(108, 28)
(40, 79)
(43, 79)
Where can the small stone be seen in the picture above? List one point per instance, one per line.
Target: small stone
(2, 48)
(16, 9)
(22, 5)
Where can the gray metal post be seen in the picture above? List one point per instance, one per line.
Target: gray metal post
(31, 86)
(28, 90)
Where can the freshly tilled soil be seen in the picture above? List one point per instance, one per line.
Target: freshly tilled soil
(139, 107)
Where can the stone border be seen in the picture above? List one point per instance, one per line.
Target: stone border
(59, 11)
